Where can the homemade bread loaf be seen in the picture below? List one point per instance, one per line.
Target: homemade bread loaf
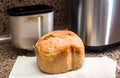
(59, 51)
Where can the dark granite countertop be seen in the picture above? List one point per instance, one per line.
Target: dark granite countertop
(8, 55)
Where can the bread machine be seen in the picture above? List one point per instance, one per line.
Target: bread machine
(97, 23)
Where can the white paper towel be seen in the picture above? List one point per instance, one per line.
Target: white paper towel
(95, 67)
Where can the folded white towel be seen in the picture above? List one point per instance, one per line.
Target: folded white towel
(94, 67)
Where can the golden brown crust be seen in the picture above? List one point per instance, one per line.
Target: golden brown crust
(59, 51)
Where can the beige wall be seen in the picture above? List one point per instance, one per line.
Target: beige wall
(62, 13)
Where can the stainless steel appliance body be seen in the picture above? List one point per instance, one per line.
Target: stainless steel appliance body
(28, 23)
(96, 21)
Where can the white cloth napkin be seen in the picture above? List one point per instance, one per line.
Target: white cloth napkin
(95, 67)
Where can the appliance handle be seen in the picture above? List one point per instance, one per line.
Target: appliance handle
(5, 37)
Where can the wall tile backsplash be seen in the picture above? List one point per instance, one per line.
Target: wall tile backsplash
(61, 15)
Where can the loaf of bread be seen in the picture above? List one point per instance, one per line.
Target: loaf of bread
(59, 51)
